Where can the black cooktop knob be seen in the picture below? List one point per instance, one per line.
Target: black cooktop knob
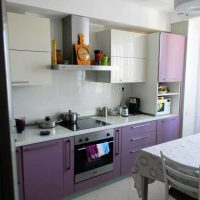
(86, 139)
(108, 134)
(80, 140)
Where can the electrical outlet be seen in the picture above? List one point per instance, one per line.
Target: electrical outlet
(120, 89)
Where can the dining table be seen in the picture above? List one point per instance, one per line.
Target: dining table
(148, 166)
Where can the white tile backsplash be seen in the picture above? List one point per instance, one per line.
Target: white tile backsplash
(69, 90)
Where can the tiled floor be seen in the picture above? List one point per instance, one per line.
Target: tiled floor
(123, 190)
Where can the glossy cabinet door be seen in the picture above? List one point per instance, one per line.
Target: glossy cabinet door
(128, 50)
(20, 173)
(28, 32)
(168, 129)
(171, 61)
(30, 68)
(43, 170)
(68, 153)
(128, 44)
(130, 70)
(134, 138)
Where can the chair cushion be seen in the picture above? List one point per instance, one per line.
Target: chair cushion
(178, 195)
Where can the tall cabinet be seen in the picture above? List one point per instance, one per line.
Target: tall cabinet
(126, 50)
(165, 64)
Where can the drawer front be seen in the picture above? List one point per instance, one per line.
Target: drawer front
(138, 134)
(131, 142)
(129, 157)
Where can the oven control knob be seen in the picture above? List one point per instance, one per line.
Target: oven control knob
(108, 134)
(86, 139)
(80, 140)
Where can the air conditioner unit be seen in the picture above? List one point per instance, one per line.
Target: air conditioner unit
(187, 6)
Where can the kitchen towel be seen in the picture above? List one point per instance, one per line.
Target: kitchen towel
(103, 149)
(92, 152)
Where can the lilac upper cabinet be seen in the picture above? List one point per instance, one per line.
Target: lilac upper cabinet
(43, 171)
(68, 153)
(171, 58)
(168, 129)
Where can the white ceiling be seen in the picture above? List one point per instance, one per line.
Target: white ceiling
(162, 5)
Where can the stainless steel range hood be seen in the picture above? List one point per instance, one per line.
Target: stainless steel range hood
(73, 25)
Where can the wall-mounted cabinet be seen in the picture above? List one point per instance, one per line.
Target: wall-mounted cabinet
(30, 49)
(171, 57)
(126, 50)
(165, 66)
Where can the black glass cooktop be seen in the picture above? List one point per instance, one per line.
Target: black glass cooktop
(82, 124)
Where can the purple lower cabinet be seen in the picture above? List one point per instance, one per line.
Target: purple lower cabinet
(168, 129)
(107, 176)
(43, 170)
(68, 149)
(19, 173)
(129, 156)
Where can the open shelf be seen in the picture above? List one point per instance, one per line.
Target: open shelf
(168, 94)
(84, 67)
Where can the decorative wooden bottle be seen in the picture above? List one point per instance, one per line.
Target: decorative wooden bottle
(54, 56)
(82, 51)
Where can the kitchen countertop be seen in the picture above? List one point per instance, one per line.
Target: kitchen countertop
(31, 134)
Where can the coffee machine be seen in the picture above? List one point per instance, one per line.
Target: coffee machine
(134, 105)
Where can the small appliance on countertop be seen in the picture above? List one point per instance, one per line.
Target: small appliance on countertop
(134, 105)
(124, 112)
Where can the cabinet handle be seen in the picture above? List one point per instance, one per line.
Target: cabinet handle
(140, 126)
(117, 142)
(41, 146)
(67, 155)
(18, 166)
(20, 82)
(134, 151)
(170, 119)
(139, 138)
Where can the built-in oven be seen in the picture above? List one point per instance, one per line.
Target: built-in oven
(85, 168)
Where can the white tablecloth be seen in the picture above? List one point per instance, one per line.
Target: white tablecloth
(148, 162)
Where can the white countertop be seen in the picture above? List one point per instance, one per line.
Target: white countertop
(31, 134)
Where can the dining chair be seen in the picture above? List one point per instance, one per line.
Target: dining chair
(182, 182)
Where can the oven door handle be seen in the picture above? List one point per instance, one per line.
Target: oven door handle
(84, 148)
(67, 155)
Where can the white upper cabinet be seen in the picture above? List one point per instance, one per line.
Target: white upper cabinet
(30, 68)
(27, 32)
(128, 44)
(30, 49)
(128, 51)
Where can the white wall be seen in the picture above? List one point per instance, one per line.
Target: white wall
(118, 11)
(68, 91)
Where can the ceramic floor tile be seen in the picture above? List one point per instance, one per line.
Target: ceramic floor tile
(124, 190)
(87, 196)
(112, 195)
(122, 185)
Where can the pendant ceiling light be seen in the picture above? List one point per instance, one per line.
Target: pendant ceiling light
(187, 6)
